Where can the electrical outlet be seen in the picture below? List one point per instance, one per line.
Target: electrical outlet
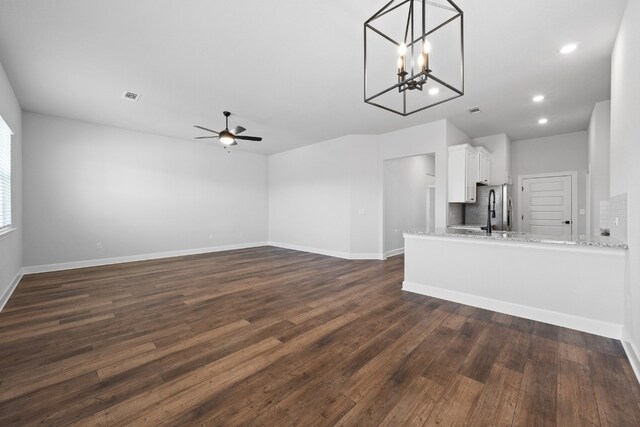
(99, 245)
(583, 212)
(582, 237)
(211, 236)
(360, 211)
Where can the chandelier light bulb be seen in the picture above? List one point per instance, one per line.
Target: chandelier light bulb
(426, 46)
(402, 49)
(420, 61)
(400, 63)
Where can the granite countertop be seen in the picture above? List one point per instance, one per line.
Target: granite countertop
(514, 236)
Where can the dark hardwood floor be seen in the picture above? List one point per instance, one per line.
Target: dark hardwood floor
(275, 337)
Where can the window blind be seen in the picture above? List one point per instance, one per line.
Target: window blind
(5, 174)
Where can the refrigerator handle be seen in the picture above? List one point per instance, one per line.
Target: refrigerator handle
(509, 208)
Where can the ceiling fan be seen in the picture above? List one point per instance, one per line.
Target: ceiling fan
(228, 137)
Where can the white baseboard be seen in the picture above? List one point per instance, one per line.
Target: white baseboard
(394, 252)
(335, 254)
(12, 287)
(366, 256)
(597, 327)
(133, 258)
(633, 354)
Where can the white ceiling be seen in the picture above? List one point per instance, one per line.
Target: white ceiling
(291, 70)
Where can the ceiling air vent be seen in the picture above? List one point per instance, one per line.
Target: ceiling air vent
(473, 110)
(131, 96)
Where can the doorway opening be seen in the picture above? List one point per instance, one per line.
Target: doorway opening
(409, 199)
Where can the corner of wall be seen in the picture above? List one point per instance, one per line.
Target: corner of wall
(632, 350)
(624, 150)
(454, 135)
(11, 244)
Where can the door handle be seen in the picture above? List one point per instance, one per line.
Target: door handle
(566, 222)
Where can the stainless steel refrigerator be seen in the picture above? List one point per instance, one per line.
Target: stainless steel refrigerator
(476, 213)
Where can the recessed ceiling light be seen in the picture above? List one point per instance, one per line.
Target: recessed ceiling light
(538, 98)
(434, 91)
(568, 48)
(543, 121)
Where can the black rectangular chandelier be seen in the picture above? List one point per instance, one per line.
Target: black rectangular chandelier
(414, 55)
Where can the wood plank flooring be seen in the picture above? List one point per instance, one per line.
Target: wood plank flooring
(274, 337)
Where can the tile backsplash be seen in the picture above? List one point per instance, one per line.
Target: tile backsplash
(456, 214)
(605, 217)
(614, 217)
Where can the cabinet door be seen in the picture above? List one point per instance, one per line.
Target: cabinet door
(472, 175)
(457, 174)
(484, 167)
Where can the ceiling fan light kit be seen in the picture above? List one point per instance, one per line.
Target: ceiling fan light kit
(227, 137)
(410, 46)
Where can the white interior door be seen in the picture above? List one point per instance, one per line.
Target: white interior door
(546, 205)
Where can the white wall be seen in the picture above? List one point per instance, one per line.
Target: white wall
(434, 138)
(316, 194)
(558, 153)
(454, 135)
(135, 193)
(599, 170)
(11, 244)
(625, 152)
(328, 197)
(365, 179)
(405, 197)
(500, 148)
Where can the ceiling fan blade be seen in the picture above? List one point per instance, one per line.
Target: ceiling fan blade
(237, 130)
(249, 138)
(208, 130)
(205, 137)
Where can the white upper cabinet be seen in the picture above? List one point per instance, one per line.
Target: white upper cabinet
(468, 166)
(463, 173)
(484, 165)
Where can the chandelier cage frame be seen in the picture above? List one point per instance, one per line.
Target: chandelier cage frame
(415, 80)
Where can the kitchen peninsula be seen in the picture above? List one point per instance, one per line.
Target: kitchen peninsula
(575, 283)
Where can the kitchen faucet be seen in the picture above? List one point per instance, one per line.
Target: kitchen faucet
(491, 213)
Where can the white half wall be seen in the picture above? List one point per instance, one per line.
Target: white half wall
(11, 243)
(557, 153)
(625, 152)
(599, 154)
(96, 193)
(558, 284)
